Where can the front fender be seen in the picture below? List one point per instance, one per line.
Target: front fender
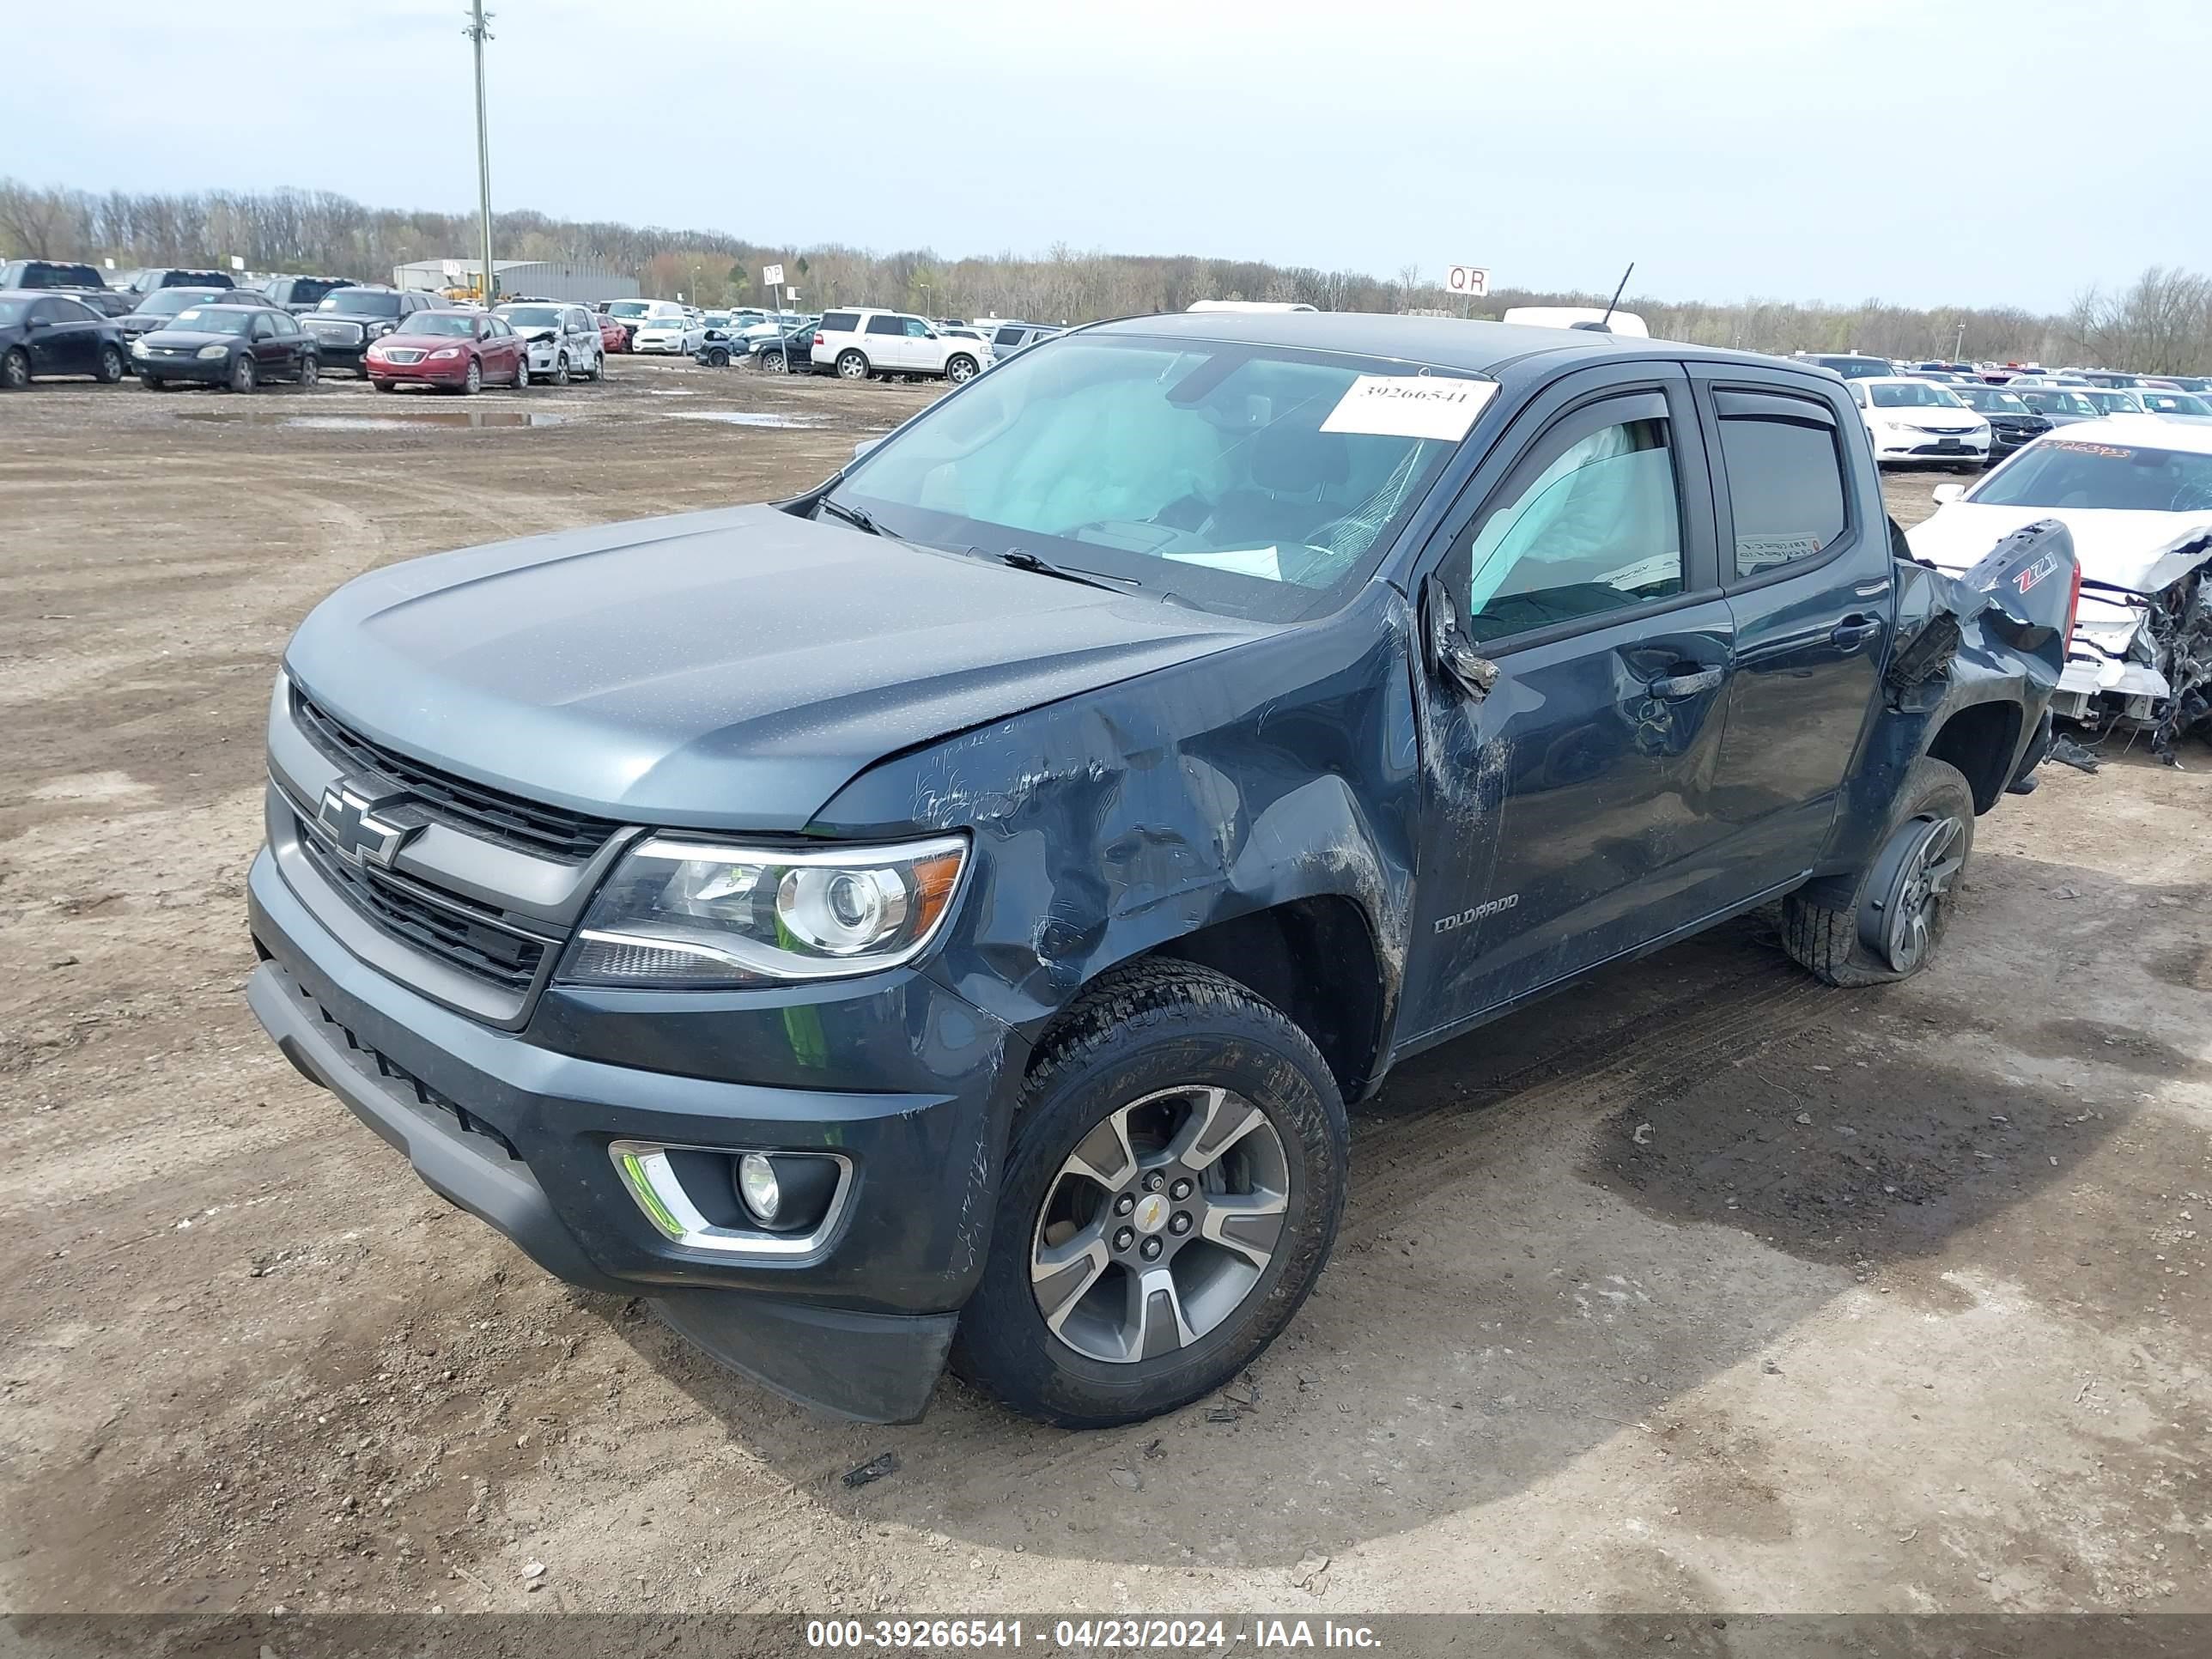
(1107, 824)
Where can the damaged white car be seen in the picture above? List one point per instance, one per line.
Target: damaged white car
(2136, 492)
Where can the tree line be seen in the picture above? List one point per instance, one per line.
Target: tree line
(2160, 323)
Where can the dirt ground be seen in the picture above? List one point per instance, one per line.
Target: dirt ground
(1705, 1288)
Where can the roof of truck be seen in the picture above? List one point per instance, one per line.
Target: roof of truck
(1446, 342)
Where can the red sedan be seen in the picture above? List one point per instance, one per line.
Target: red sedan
(614, 333)
(454, 350)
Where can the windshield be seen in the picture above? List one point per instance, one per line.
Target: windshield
(446, 323)
(1913, 394)
(13, 311)
(2113, 403)
(2174, 403)
(197, 321)
(1256, 481)
(666, 322)
(171, 300)
(360, 302)
(629, 307)
(2062, 472)
(1856, 368)
(532, 316)
(2045, 400)
(1989, 400)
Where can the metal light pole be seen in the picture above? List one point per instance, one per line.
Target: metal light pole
(1959, 346)
(478, 33)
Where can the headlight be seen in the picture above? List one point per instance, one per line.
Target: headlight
(445, 352)
(138, 344)
(678, 914)
(215, 352)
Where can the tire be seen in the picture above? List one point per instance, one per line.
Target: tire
(1151, 1045)
(718, 359)
(771, 362)
(960, 369)
(1831, 927)
(15, 371)
(472, 382)
(560, 369)
(385, 386)
(852, 366)
(521, 382)
(244, 377)
(152, 383)
(311, 371)
(111, 367)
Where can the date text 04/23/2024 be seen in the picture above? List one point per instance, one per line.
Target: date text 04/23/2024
(1072, 1635)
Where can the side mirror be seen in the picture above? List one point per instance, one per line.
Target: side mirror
(36, 322)
(1449, 650)
(1946, 492)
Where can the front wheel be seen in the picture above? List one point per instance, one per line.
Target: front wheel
(1883, 923)
(472, 382)
(243, 376)
(561, 370)
(772, 362)
(718, 358)
(311, 371)
(852, 366)
(960, 370)
(1174, 1185)
(111, 365)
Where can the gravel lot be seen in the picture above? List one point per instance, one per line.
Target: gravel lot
(1900, 1302)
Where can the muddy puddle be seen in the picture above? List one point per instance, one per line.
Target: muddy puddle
(742, 417)
(408, 417)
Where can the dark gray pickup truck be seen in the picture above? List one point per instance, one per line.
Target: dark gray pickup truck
(942, 917)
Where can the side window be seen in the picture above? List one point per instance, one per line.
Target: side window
(886, 325)
(839, 322)
(916, 329)
(286, 323)
(49, 310)
(1598, 528)
(264, 329)
(1785, 486)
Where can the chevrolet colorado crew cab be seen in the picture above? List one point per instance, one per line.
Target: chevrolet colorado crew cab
(941, 917)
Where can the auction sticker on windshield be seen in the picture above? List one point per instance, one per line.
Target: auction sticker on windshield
(1410, 406)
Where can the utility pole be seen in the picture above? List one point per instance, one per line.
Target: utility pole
(478, 33)
(1959, 346)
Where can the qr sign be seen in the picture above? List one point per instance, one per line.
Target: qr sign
(1471, 280)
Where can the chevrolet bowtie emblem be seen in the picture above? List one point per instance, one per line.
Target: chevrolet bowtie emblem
(352, 814)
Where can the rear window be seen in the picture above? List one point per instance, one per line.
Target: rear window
(46, 273)
(1785, 485)
(839, 322)
(311, 290)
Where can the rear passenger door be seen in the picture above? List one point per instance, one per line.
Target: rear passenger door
(1805, 566)
(1569, 818)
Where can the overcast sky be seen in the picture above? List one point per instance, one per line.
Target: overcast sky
(2011, 152)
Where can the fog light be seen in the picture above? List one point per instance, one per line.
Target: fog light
(758, 1187)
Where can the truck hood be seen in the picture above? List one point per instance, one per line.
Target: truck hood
(2143, 551)
(729, 670)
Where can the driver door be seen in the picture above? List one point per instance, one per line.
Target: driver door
(1569, 818)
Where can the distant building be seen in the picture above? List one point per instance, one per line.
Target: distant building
(551, 279)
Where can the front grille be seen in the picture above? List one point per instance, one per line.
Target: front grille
(404, 1081)
(474, 808)
(403, 355)
(485, 948)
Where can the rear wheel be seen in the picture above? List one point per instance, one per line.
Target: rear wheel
(1173, 1188)
(111, 365)
(852, 366)
(1884, 923)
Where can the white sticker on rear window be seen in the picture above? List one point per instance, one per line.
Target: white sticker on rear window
(1410, 406)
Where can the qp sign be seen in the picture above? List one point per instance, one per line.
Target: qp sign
(1472, 281)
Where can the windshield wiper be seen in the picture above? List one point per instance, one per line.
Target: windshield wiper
(854, 516)
(1023, 559)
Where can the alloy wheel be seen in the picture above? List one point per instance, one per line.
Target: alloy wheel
(1910, 890)
(1159, 1224)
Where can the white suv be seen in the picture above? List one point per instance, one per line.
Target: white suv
(856, 343)
(563, 340)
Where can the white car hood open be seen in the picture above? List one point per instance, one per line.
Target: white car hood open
(2143, 551)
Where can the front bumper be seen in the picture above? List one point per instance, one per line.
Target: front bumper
(216, 371)
(908, 1081)
(452, 372)
(1911, 448)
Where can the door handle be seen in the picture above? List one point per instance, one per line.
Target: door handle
(1672, 688)
(1854, 631)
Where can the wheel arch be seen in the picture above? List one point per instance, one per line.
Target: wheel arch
(1982, 740)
